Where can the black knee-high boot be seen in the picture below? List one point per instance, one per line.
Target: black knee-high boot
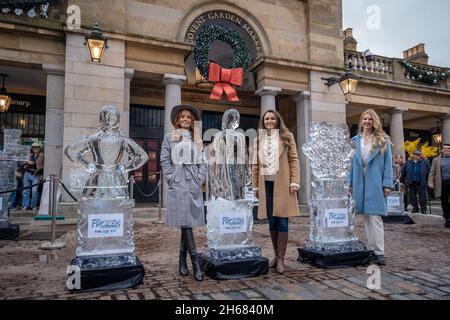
(183, 268)
(189, 242)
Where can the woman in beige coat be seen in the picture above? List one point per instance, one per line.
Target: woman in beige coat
(276, 180)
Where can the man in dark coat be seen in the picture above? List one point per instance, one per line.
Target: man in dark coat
(415, 176)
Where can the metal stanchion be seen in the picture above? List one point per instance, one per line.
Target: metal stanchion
(53, 188)
(132, 182)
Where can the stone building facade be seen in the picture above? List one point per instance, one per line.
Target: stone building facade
(148, 68)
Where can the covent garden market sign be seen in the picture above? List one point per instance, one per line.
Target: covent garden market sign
(214, 17)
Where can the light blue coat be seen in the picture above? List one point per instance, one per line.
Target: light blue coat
(368, 190)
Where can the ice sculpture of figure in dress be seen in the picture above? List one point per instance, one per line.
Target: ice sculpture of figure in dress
(107, 156)
(227, 166)
(229, 214)
(105, 222)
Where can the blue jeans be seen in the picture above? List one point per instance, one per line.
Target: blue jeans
(276, 224)
(13, 197)
(28, 180)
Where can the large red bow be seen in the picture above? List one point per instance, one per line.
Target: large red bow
(224, 78)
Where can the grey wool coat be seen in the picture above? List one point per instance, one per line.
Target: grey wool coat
(185, 175)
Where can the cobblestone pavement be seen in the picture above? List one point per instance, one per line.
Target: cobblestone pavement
(418, 267)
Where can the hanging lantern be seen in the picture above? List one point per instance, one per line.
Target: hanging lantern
(97, 44)
(5, 98)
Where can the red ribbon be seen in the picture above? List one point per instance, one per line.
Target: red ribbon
(223, 79)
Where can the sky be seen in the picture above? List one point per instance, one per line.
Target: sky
(388, 27)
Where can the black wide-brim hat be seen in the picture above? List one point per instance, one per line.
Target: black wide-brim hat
(177, 109)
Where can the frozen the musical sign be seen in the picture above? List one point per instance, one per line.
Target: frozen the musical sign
(105, 225)
(337, 218)
(233, 223)
(393, 201)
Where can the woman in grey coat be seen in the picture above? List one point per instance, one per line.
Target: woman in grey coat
(185, 172)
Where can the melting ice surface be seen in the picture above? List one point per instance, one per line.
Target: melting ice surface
(332, 212)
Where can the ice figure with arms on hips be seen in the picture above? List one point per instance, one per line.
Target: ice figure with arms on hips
(12, 153)
(332, 240)
(105, 222)
(231, 252)
(107, 156)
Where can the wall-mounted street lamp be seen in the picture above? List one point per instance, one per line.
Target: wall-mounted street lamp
(347, 81)
(97, 43)
(200, 81)
(5, 98)
(437, 137)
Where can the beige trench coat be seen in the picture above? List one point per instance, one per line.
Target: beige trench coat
(435, 177)
(284, 204)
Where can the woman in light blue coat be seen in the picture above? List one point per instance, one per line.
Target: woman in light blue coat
(371, 179)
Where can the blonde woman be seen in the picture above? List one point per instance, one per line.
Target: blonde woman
(276, 180)
(371, 179)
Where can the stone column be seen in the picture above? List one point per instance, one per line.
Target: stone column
(303, 110)
(173, 84)
(445, 121)
(89, 87)
(397, 134)
(54, 119)
(125, 117)
(268, 100)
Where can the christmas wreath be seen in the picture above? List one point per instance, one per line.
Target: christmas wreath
(223, 78)
(424, 76)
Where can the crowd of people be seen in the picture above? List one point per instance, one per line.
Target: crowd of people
(420, 181)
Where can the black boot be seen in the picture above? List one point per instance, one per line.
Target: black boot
(189, 242)
(183, 268)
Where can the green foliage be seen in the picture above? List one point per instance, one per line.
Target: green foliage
(424, 76)
(212, 33)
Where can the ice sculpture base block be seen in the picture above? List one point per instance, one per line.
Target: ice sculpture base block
(106, 273)
(399, 219)
(105, 227)
(9, 231)
(396, 209)
(105, 250)
(231, 253)
(323, 258)
(223, 264)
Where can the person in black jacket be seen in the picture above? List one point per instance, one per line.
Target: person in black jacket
(415, 176)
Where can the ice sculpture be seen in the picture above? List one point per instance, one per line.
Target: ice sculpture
(396, 207)
(395, 203)
(229, 213)
(105, 222)
(12, 152)
(332, 213)
(227, 164)
(107, 156)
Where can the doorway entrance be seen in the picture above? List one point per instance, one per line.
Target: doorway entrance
(147, 130)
